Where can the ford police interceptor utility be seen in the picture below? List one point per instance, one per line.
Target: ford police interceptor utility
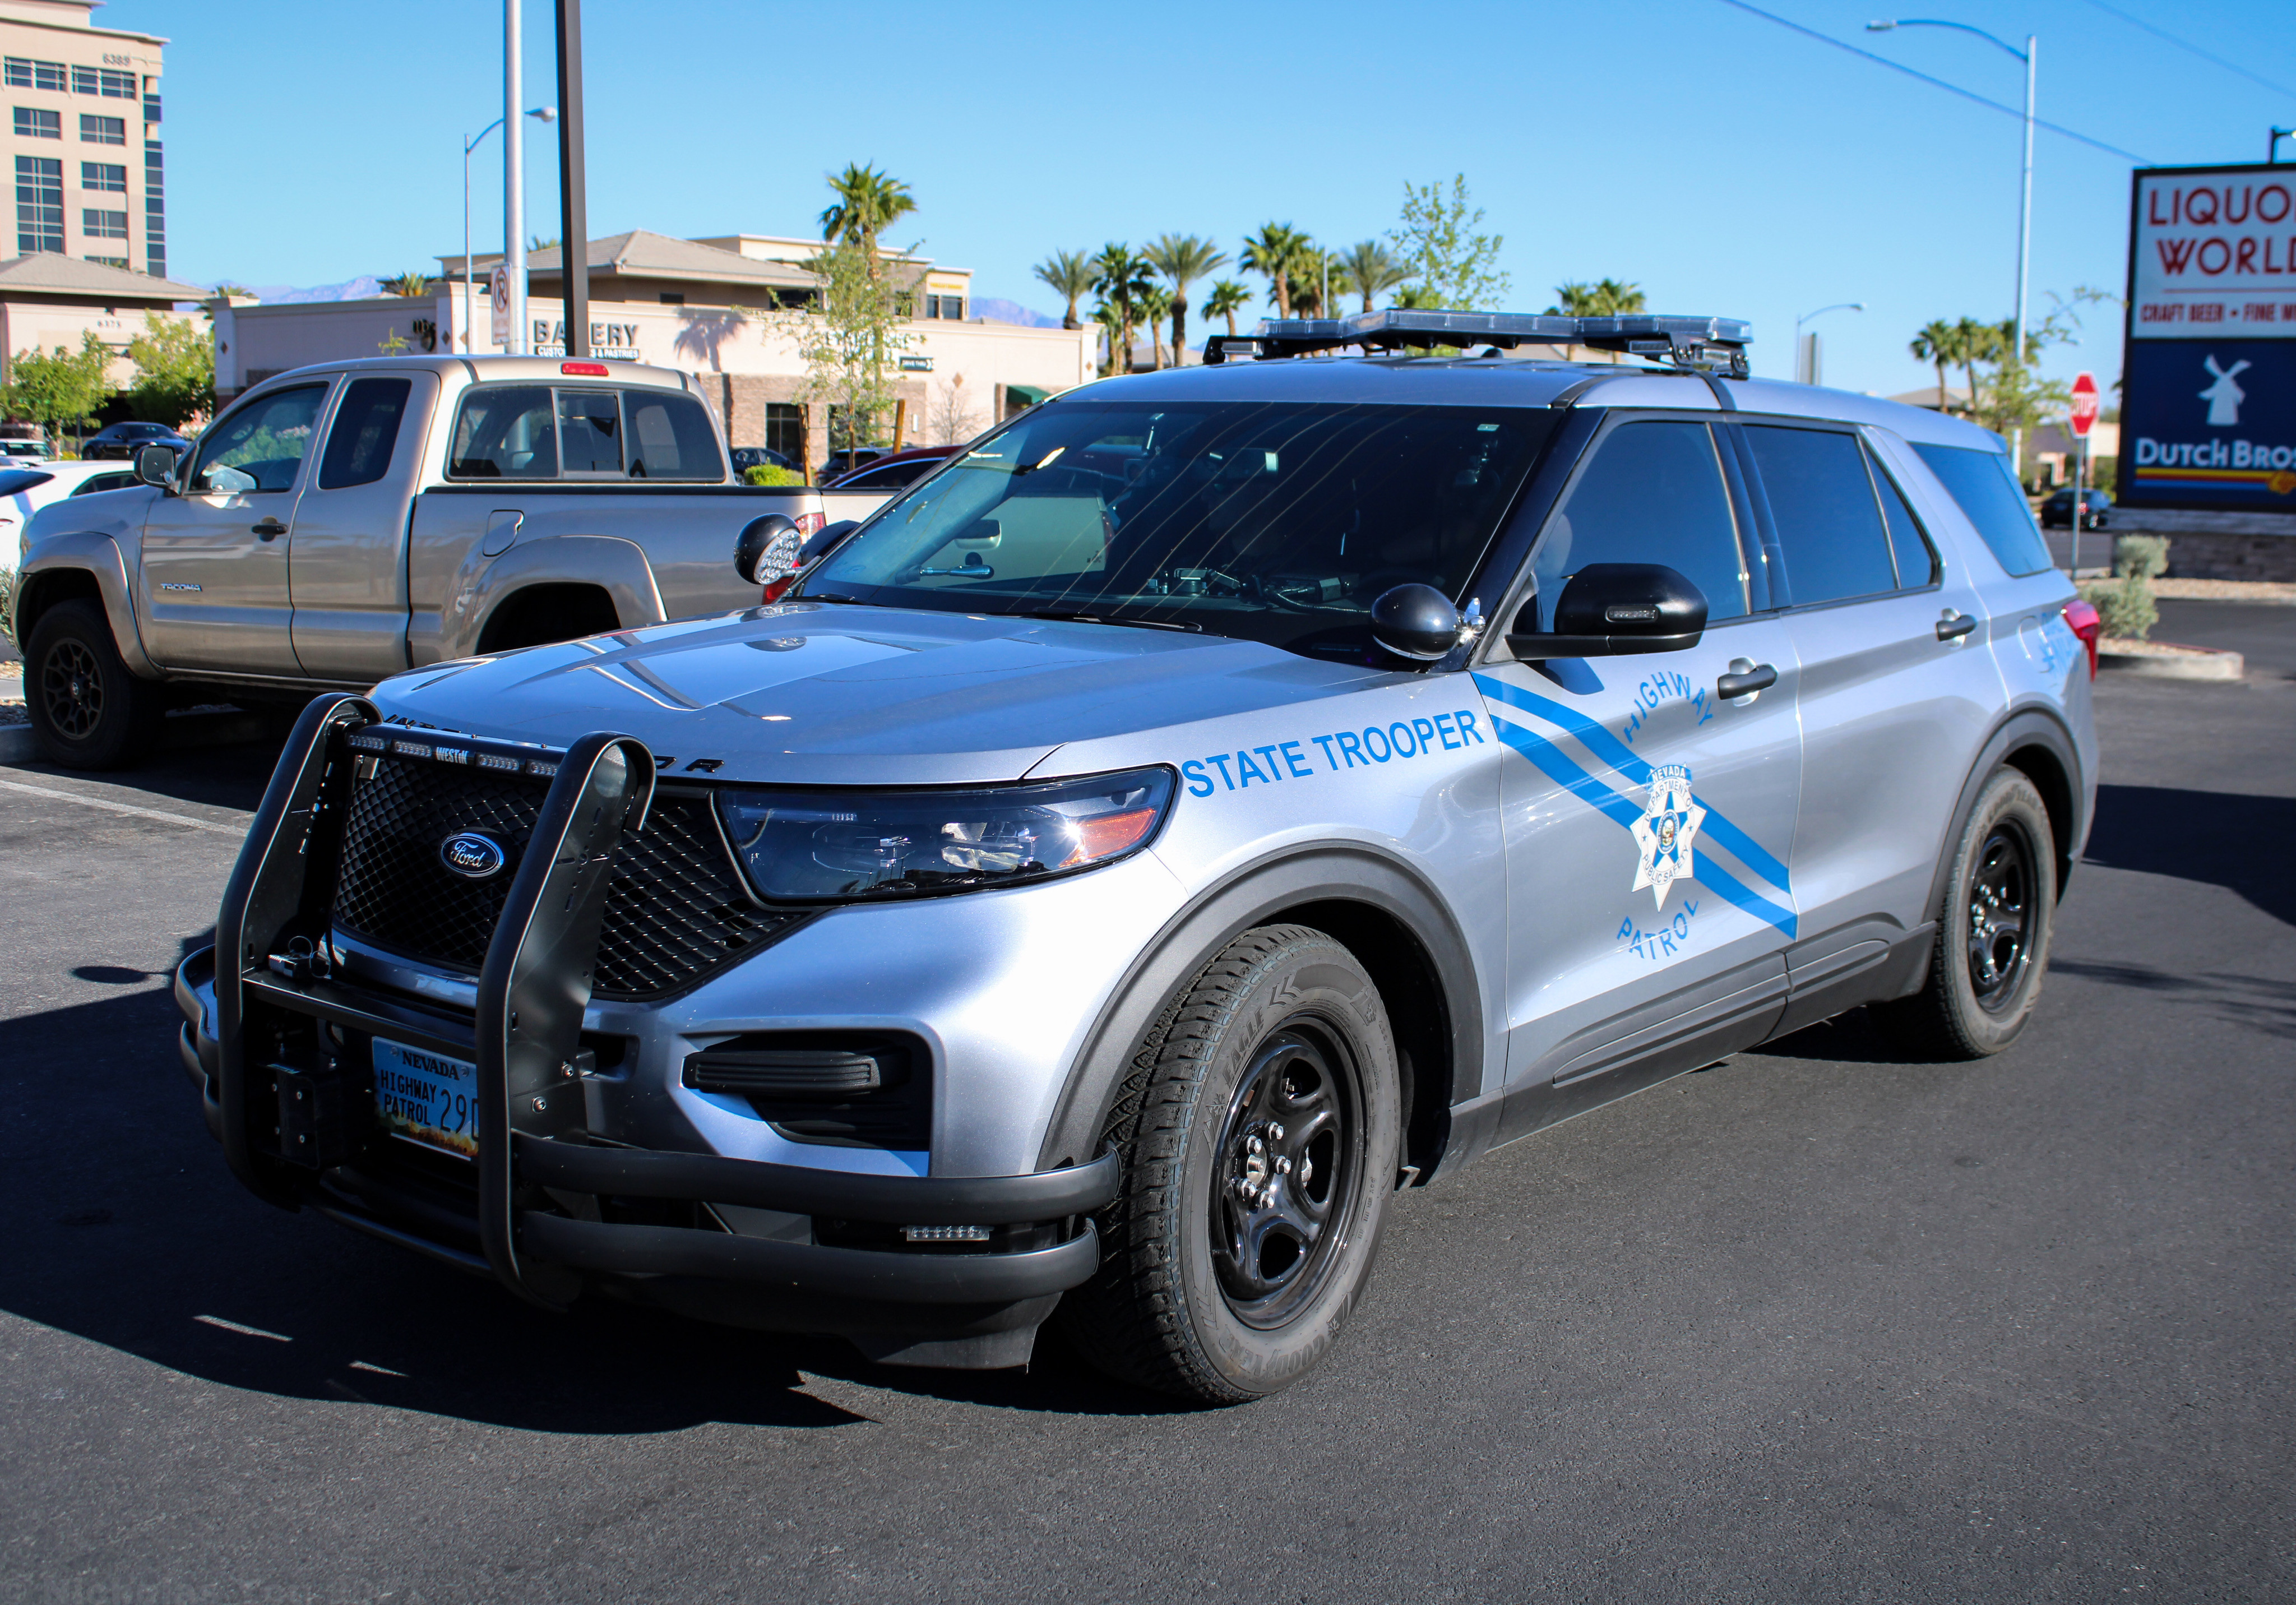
(1217, 800)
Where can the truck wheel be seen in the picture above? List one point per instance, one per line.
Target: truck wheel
(87, 710)
(1259, 1128)
(1993, 930)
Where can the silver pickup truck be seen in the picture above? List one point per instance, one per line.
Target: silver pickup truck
(343, 522)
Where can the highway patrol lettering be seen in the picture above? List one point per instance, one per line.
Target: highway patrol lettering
(1373, 744)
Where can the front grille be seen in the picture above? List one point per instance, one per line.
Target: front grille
(674, 912)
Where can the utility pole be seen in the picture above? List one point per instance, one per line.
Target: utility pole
(2025, 248)
(514, 178)
(573, 212)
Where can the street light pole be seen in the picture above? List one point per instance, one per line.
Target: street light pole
(513, 177)
(1807, 372)
(2030, 56)
(546, 114)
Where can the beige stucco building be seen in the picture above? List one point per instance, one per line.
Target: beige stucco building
(83, 135)
(48, 301)
(720, 309)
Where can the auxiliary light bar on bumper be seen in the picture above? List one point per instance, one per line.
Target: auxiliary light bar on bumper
(273, 1041)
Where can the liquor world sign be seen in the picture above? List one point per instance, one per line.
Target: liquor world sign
(2209, 382)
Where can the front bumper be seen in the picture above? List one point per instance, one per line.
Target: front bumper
(280, 1051)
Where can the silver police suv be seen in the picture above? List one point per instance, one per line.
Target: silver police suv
(1216, 800)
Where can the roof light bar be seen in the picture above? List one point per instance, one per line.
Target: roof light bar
(1685, 342)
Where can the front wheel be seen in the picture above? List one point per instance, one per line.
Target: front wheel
(87, 710)
(1993, 930)
(1260, 1129)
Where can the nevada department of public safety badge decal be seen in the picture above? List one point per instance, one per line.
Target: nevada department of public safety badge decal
(1664, 833)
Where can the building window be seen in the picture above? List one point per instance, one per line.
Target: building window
(34, 75)
(120, 262)
(150, 108)
(110, 176)
(103, 81)
(102, 224)
(39, 204)
(785, 428)
(102, 130)
(673, 298)
(32, 123)
(945, 307)
(155, 210)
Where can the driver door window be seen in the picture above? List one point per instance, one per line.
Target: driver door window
(262, 447)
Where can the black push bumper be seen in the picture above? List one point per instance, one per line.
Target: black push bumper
(278, 1048)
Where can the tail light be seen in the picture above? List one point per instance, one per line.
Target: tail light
(812, 523)
(2087, 624)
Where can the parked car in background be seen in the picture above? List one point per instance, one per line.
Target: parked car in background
(2057, 512)
(840, 463)
(120, 440)
(895, 470)
(24, 451)
(113, 479)
(747, 457)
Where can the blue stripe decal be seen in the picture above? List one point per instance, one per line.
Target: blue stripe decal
(1616, 753)
(1728, 887)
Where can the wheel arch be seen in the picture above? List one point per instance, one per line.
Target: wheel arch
(1381, 910)
(2037, 745)
(518, 618)
(86, 566)
(606, 565)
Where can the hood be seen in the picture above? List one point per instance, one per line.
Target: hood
(820, 693)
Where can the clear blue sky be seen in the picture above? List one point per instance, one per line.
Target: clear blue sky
(1725, 164)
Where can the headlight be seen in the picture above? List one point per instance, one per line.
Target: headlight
(814, 847)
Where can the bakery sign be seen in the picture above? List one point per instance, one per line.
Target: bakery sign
(2213, 253)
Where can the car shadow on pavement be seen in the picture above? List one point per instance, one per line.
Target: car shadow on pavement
(126, 1230)
(2265, 1003)
(2221, 838)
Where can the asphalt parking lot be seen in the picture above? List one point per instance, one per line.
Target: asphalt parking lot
(1813, 1324)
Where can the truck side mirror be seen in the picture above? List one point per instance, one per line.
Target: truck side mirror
(767, 548)
(155, 464)
(1610, 610)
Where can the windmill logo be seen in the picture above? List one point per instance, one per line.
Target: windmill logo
(2224, 396)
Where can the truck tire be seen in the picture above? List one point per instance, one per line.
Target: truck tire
(1993, 931)
(87, 710)
(1258, 1126)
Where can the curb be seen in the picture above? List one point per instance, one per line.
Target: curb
(222, 728)
(2206, 663)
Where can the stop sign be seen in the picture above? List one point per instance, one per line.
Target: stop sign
(2084, 404)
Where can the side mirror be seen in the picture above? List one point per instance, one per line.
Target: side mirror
(155, 464)
(1610, 610)
(1415, 622)
(767, 549)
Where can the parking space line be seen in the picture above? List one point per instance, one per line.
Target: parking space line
(112, 807)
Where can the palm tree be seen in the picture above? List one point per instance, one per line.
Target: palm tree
(1184, 259)
(1271, 253)
(1574, 299)
(1368, 268)
(1119, 276)
(1973, 343)
(1312, 269)
(1937, 344)
(1155, 304)
(405, 284)
(1227, 299)
(867, 201)
(1618, 297)
(1069, 273)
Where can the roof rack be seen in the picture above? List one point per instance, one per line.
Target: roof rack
(1707, 343)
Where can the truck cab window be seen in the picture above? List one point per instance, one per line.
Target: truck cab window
(506, 433)
(261, 446)
(670, 438)
(365, 431)
(590, 432)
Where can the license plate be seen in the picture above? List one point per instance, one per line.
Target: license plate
(427, 1098)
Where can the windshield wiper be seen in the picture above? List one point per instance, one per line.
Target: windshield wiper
(1138, 624)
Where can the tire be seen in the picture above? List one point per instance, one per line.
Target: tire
(87, 710)
(1235, 1250)
(1994, 928)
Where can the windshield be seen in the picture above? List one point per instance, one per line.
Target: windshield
(1270, 521)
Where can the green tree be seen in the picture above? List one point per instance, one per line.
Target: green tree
(1120, 274)
(1937, 344)
(1605, 297)
(1070, 275)
(405, 284)
(60, 389)
(1184, 259)
(1312, 268)
(848, 334)
(1369, 269)
(1227, 299)
(866, 202)
(1272, 253)
(175, 370)
(1155, 306)
(1451, 266)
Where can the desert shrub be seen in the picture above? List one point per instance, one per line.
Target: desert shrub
(769, 475)
(2145, 554)
(2127, 610)
(7, 607)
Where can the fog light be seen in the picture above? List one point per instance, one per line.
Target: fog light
(945, 1234)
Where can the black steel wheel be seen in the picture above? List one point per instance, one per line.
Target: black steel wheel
(87, 710)
(1994, 924)
(1259, 1125)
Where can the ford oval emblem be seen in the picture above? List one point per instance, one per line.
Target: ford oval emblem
(471, 856)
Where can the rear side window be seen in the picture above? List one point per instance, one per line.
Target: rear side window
(509, 432)
(1652, 494)
(1822, 502)
(1917, 565)
(1980, 486)
(365, 433)
(670, 438)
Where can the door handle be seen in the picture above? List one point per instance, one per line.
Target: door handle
(1954, 625)
(270, 527)
(1739, 683)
